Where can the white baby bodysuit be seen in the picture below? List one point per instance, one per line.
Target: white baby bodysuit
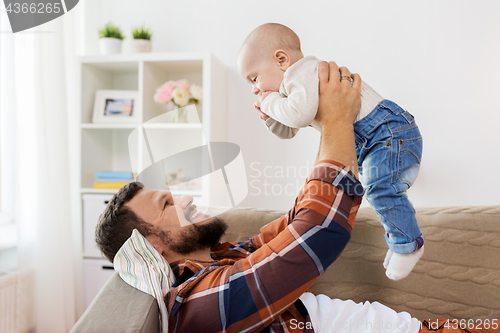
(296, 103)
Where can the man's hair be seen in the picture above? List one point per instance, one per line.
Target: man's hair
(117, 222)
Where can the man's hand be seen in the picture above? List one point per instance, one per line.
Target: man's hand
(339, 103)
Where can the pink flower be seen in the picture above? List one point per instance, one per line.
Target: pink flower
(164, 93)
(180, 92)
(184, 84)
(168, 87)
(165, 96)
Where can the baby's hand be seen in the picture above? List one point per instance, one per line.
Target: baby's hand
(264, 95)
(259, 103)
(256, 105)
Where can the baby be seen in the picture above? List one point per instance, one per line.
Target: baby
(388, 141)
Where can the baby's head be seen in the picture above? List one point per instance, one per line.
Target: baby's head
(266, 54)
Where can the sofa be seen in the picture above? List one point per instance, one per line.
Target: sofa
(457, 277)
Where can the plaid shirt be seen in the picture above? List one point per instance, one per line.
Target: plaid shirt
(254, 286)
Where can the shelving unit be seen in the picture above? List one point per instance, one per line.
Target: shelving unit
(104, 147)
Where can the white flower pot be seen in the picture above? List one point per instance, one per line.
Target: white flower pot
(110, 45)
(140, 45)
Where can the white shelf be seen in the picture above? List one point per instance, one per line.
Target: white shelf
(153, 56)
(108, 126)
(93, 256)
(98, 190)
(133, 126)
(105, 146)
(172, 126)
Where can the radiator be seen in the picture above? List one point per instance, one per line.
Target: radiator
(16, 302)
(8, 289)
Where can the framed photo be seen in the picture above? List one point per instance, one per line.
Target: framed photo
(116, 106)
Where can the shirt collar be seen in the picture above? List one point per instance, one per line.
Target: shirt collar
(193, 265)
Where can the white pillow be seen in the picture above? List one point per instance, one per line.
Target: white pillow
(142, 267)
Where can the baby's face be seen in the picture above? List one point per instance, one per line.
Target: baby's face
(263, 74)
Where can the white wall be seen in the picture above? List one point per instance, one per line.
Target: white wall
(438, 59)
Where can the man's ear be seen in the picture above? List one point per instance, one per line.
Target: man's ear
(283, 59)
(156, 243)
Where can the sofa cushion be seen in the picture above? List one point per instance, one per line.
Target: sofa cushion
(119, 308)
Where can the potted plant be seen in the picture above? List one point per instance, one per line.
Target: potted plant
(110, 39)
(142, 40)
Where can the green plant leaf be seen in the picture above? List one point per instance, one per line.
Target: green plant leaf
(141, 33)
(111, 31)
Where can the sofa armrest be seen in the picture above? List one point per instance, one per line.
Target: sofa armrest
(119, 308)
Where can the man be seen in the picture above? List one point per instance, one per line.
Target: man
(255, 284)
(252, 286)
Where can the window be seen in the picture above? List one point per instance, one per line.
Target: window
(8, 228)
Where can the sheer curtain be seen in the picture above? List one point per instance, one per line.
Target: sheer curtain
(38, 68)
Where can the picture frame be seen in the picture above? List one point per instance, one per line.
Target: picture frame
(116, 106)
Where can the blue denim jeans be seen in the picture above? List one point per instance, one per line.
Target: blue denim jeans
(389, 150)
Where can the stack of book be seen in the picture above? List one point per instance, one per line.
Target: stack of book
(112, 179)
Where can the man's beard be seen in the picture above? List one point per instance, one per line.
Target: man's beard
(195, 237)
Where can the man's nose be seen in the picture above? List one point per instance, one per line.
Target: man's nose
(184, 201)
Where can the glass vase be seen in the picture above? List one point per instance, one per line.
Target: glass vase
(180, 115)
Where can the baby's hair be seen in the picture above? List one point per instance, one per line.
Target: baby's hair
(274, 36)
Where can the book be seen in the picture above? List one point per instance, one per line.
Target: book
(112, 180)
(113, 175)
(110, 185)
